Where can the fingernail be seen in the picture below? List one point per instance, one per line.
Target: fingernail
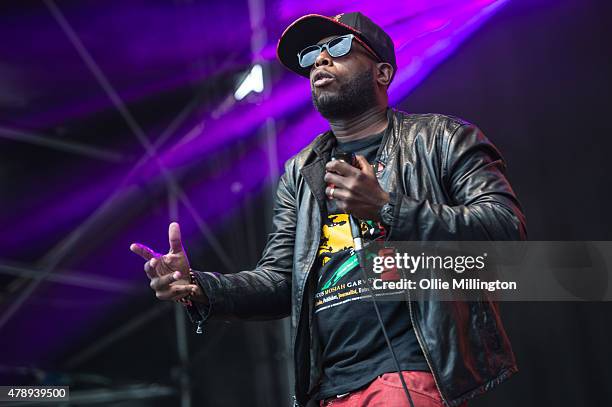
(176, 275)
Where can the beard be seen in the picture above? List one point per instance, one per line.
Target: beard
(352, 98)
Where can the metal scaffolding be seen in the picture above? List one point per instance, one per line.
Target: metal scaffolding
(47, 268)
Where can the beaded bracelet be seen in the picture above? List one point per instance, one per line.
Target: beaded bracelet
(186, 301)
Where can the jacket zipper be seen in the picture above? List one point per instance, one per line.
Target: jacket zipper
(416, 329)
(419, 340)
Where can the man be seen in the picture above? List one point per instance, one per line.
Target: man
(416, 177)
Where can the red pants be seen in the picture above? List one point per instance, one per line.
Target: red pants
(387, 391)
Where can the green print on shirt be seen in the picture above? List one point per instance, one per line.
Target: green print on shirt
(341, 271)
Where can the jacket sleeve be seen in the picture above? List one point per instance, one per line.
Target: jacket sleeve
(482, 204)
(265, 292)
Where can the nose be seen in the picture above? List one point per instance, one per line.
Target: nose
(323, 59)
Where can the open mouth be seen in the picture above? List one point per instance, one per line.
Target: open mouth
(322, 78)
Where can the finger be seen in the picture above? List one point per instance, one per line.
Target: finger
(154, 263)
(160, 266)
(150, 271)
(341, 168)
(163, 283)
(364, 165)
(174, 237)
(175, 292)
(182, 291)
(143, 251)
(339, 194)
(336, 179)
(343, 207)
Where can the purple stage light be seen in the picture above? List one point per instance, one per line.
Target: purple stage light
(215, 200)
(287, 97)
(142, 47)
(420, 54)
(431, 38)
(425, 33)
(423, 42)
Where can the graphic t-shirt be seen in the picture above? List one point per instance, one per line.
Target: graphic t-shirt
(354, 348)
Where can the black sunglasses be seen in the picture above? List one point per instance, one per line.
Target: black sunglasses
(336, 47)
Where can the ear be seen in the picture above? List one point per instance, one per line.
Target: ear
(384, 73)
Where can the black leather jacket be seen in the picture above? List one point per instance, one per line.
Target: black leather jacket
(449, 184)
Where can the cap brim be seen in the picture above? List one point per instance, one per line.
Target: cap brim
(305, 31)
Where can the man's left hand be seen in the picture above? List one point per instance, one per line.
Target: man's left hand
(355, 189)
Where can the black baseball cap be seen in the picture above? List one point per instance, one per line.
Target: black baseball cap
(312, 28)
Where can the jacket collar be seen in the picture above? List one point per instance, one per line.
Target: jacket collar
(313, 170)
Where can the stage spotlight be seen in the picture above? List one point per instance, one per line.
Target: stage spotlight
(252, 83)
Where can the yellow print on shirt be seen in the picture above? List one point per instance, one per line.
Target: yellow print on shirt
(335, 236)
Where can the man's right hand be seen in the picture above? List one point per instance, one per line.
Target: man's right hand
(169, 273)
